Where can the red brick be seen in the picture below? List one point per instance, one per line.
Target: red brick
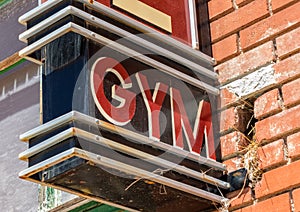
(234, 119)
(293, 144)
(245, 62)
(288, 43)
(267, 104)
(287, 69)
(233, 164)
(276, 4)
(231, 143)
(267, 28)
(225, 48)
(242, 2)
(278, 180)
(227, 120)
(238, 19)
(278, 125)
(243, 199)
(271, 154)
(227, 98)
(296, 198)
(217, 7)
(291, 93)
(279, 203)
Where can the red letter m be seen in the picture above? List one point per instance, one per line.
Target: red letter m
(202, 126)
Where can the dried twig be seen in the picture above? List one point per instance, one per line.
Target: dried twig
(156, 171)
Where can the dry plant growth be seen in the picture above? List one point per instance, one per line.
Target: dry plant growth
(248, 152)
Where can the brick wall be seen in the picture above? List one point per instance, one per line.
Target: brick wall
(257, 47)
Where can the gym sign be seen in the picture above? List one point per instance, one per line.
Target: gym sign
(123, 111)
(127, 111)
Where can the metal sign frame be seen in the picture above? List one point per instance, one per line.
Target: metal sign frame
(49, 136)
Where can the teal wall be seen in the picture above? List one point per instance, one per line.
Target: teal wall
(96, 207)
(3, 2)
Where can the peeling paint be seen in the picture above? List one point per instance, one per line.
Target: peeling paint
(253, 82)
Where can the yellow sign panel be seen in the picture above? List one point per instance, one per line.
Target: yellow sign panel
(146, 13)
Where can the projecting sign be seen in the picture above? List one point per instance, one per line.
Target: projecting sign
(127, 111)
